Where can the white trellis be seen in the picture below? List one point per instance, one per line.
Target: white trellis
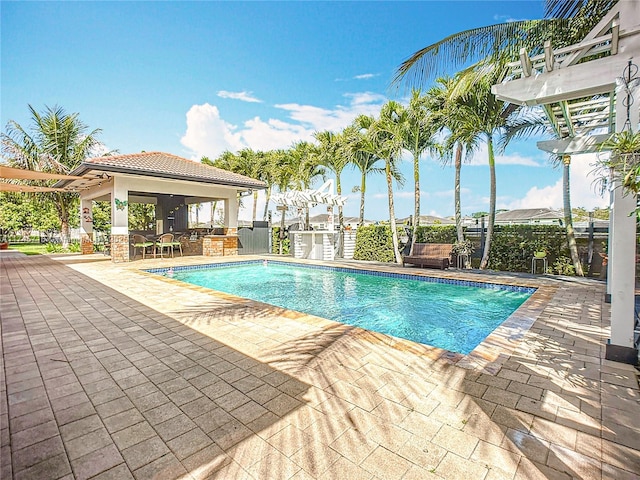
(311, 244)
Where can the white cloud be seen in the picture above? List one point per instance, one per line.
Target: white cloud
(365, 76)
(582, 189)
(209, 134)
(243, 96)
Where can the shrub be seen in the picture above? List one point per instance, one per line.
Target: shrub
(275, 241)
(374, 243)
(513, 246)
(75, 247)
(437, 234)
(53, 248)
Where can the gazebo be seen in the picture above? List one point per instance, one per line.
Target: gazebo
(589, 91)
(169, 182)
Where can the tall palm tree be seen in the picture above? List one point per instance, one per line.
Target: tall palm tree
(383, 140)
(417, 132)
(485, 119)
(55, 142)
(444, 103)
(363, 160)
(304, 157)
(330, 155)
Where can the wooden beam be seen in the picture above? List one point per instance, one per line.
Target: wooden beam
(615, 36)
(548, 56)
(526, 62)
(573, 145)
(583, 80)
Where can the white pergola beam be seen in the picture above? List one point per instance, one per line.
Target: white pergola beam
(596, 77)
(573, 146)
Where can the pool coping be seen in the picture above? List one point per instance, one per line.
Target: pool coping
(488, 357)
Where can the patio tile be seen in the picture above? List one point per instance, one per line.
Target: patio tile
(34, 434)
(456, 441)
(455, 467)
(87, 443)
(53, 467)
(385, 464)
(144, 452)
(36, 453)
(189, 443)
(96, 462)
(133, 435)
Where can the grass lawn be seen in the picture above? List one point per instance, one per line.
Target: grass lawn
(29, 248)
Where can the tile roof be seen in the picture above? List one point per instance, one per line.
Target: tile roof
(165, 165)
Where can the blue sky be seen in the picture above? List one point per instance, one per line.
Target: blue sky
(198, 78)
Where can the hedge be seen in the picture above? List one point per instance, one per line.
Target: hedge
(373, 242)
(512, 246)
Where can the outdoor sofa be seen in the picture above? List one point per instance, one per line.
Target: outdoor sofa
(432, 255)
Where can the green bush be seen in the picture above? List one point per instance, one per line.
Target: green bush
(374, 243)
(513, 246)
(562, 266)
(53, 248)
(75, 247)
(275, 241)
(437, 234)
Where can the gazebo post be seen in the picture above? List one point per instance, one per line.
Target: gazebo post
(86, 225)
(622, 256)
(119, 221)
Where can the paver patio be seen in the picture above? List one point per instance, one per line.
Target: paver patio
(109, 372)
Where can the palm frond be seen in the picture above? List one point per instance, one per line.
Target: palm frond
(470, 46)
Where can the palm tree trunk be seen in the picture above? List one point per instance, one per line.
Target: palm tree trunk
(458, 166)
(492, 204)
(266, 204)
(416, 206)
(568, 217)
(340, 220)
(392, 213)
(363, 186)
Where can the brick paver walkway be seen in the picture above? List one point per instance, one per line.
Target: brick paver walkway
(110, 373)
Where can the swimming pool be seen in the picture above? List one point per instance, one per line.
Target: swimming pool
(450, 314)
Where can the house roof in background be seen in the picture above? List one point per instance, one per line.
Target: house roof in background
(165, 165)
(527, 214)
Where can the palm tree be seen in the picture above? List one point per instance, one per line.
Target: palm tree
(527, 125)
(444, 103)
(566, 23)
(56, 142)
(330, 155)
(364, 161)
(383, 140)
(485, 118)
(417, 137)
(304, 158)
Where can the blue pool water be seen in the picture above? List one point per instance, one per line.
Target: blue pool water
(450, 316)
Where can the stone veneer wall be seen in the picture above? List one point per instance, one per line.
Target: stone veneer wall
(86, 244)
(219, 246)
(119, 248)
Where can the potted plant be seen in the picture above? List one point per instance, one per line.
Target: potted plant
(625, 158)
(463, 249)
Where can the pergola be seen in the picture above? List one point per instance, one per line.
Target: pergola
(587, 91)
(169, 182)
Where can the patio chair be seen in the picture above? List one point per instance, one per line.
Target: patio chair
(138, 241)
(167, 240)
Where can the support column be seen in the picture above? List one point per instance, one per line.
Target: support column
(119, 221)
(86, 226)
(622, 258)
(231, 216)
